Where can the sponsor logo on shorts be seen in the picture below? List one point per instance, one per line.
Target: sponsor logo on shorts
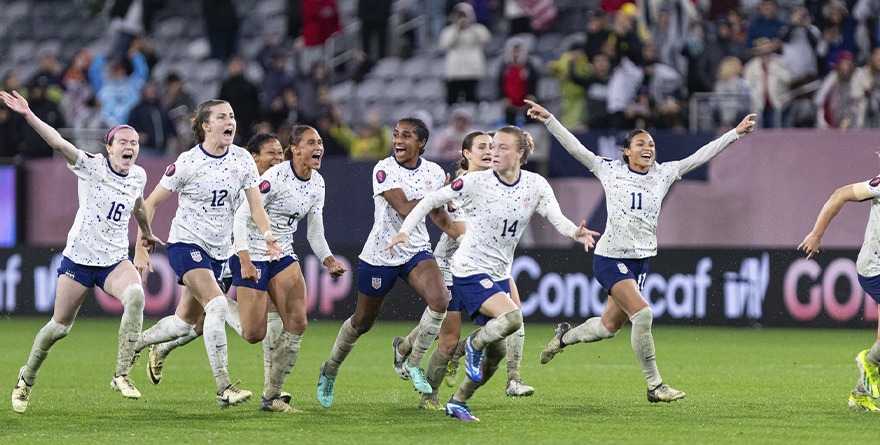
(377, 282)
(622, 268)
(486, 283)
(169, 171)
(70, 274)
(196, 255)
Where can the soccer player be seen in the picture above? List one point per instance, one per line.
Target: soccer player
(110, 191)
(267, 152)
(208, 178)
(868, 265)
(475, 156)
(498, 205)
(290, 191)
(634, 190)
(399, 182)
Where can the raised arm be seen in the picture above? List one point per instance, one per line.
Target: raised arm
(18, 104)
(712, 149)
(568, 141)
(853, 192)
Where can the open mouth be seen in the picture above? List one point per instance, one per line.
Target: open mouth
(228, 133)
(316, 156)
(127, 156)
(647, 155)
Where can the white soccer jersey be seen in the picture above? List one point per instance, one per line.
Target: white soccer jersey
(287, 199)
(208, 187)
(415, 183)
(633, 199)
(497, 215)
(868, 262)
(99, 236)
(447, 246)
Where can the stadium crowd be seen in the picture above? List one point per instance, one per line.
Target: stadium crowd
(797, 63)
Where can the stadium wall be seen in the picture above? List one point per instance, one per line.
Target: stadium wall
(732, 287)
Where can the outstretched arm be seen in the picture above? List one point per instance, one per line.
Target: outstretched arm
(18, 104)
(712, 149)
(853, 192)
(568, 141)
(429, 202)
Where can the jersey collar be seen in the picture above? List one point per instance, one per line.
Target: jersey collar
(504, 183)
(213, 156)
(110, 167)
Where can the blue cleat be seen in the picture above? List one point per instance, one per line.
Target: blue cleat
(420, 382)
(325, 388)
(473, 361)
(460, 411)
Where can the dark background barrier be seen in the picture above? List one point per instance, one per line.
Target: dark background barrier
(734, 287)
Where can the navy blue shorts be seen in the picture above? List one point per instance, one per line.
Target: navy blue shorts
(88, 276)
(377, 281)
(266, 270)
(455, 303)
(610, 271)
(184, 257)
(474, 290)
(871, 285)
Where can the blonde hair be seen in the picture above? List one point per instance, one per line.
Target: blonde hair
(729, 68)
(524, 139)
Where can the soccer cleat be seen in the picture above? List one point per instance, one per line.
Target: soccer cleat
(430, 402)
(518, 388)
(285, 397)
(277, 405)
(862, 402)
(460, 411)
(451, 377)
(664, 393)
(325, 388)
(420, 382)
(867, 374)
(232, 396)
(154, 365)
(555, 346)
(473, 361)
(21, 393)
(123, 384)
(399, 359)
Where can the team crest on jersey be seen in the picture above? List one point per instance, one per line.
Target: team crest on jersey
(622, 267)
(875, 182)
(196, 255)
(377, 282)
(457, 184)
(265, 186)
(380, 178)
(650, 181)
(486, 283)
(234, 175)
(527, 203)
(169, 171)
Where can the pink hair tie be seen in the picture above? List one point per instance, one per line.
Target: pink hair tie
(114, 130)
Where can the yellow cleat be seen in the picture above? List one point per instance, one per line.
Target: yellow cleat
(858, 402)
(868, 374)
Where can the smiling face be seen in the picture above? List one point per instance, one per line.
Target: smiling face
(123, 150)
(219, 127)
(506, 153)
(641, 152)
(479, 155)
(270, 154)
(309, 150)
(406, 144)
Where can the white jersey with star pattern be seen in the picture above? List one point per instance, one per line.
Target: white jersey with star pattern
(632, 198)
(208, 187)
(497, 215)
(99, 235)
(415, 182)
(287, 199)
(868, 262)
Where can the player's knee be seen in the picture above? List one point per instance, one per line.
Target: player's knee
(253, 335)
(217, 306)
(642, 319)
(510, 322)
(298, 326)
(133, 298)
(58, 330)
(447, 344)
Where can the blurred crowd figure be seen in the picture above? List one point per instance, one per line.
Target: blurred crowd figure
(632, 64)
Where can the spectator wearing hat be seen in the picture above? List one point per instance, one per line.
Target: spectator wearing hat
(769, 78)
(841, 101)
(463, 40)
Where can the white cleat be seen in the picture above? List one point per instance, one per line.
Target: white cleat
(664, 393)
(232, 396)
(277, 405)
(21, 393)
(399, 359)
(123, 384)
(154, 365)
(518, 388)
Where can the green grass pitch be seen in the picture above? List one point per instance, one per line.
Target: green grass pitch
(743, 385)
